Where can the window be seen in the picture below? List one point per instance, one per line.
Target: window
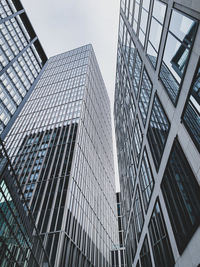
(158, 131)
(145, 256)
(137, 141)
(161, 247)
(191, 116)
(146, 180)
(155, 33)
(143, 21)
(136, 73)
(136, 15)
(145, 96)
(138, 214)
(178, 45)
(182, 196)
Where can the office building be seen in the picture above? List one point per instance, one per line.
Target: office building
(118, 254)
(157, 123)
(21, 60)
(61, 148)
(17, 245)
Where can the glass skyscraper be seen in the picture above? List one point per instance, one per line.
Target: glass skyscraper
(21, 60)
(61, 148)
(157, 123)
(17, 245)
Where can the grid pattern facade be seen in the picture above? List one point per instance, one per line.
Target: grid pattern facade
(17, 245)
(118, 255)
(157, 115)
(61, 148)
(21, 60)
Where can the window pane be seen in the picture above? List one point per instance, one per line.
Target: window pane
(156, 28)
(191, 116)
(180, 38)
(182, 196)
(158, 131)
(145, 256)
(162, 251)
(146, 180)
(145, 96)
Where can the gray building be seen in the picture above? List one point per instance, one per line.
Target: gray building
(18, 247)
(61, 149)
(157, 123)
(21, 60)
(118, 254)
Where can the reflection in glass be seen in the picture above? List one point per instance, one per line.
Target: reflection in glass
(192, 112)
(157, 22)
(145, 95)
(158, 131)
(136, 15)
(181, 193)
(162, 251)
(143, 21)
(179, 41)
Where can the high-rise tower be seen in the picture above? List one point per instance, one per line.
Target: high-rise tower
(157, 122)
(61, 149)
(21, 60)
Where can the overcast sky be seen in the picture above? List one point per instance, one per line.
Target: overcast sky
(62, 25)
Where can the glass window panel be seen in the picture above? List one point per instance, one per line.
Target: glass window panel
(159, 9)
(161, 247)
(191, 115)
(158, 131)
(145, 95)
(146, 180)
(145, 256)
(182, 196)
(155, 33)
(180, 38)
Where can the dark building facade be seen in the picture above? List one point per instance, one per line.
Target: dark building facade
(118, 255)
(18, 247)
(157, 123)
(21, 60)
(61, 149)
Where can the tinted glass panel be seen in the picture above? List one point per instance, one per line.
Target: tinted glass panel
(180, 38)
(161, 247)
(146, 180)
(145, 96)
(158, 131)
(145, 256)
(157, 22)
(192, 112)
(182, 196)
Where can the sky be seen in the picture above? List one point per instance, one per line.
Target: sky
(62, 25)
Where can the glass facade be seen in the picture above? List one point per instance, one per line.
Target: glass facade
(118, 255)
(145, 256)
(61, 148)
(181, 193)
(158, 131)
(18, 247)
(161, 247)
(21, 60)
(157, 102)
(191, 114)
(180, 38)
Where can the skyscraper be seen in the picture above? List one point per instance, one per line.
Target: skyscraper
(157, 123)
(21, 60)
(118, 254)
(17, 245)
(61, 149)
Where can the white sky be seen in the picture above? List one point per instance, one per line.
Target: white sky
(62, 25)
